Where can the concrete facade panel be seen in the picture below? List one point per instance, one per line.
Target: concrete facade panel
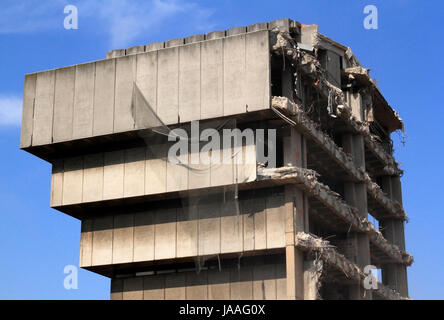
(144, 236)
(83, 113)
(168, 85)
(104, 88)
(212, 79)
(234, 75)
(189, 82)
(165, 233)
(275, 215)
(86, 243)
(257, 91)
(123, 238)
(43, 108)
(146, 80)
(209, 229)
(63, 104)
(113, 175)
(102, 240)
(93, 177)
(28, 110)
(134, 179)
(72, 180)
(124, 116)
(187, 231)
(156, 169)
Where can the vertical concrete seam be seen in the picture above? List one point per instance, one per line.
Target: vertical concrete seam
(157, 81)
(223, 75)
(73, 101)
(178, 85)
(114, 92)
(53, 105)
(94, 97)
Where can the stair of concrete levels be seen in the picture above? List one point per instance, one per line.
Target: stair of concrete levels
(297, 226)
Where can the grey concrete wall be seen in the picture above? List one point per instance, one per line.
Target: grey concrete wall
(205, 228)
(261, 282)
(141, 171)
(198, 80)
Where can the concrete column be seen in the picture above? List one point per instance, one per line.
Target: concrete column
(355, 194)
(296, 217)
(394, 275)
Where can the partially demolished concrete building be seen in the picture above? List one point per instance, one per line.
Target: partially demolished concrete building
(295, 228)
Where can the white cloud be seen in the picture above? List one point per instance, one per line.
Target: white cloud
(10, 110)
(121, 20)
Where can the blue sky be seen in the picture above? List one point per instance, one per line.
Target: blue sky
(404, 54)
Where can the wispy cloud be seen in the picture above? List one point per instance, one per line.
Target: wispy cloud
(10, 110)
(121, 20)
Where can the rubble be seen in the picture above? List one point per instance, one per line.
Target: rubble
(307, 180)
(330, 257)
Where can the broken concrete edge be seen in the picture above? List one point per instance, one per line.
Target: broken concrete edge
(312, 68)
(330, 256)
(363, 73)
(310, 128)
(307, 178)
(355, 69)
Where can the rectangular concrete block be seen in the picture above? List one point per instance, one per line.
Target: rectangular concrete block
(102, 240)
(133, 288)
(257, 71)
(241, 284)
(196, 286)
(64, 104)
(275, 222)
(218, 285)
(86, 243)
(177, 174)
(93, 177)
(165, 234)
(103, 119)
(124, 117)
(57, 183)
(146, 80)
(264, 282)
(209, 229)
(234, 75)
(175, 286)
(43, 108)
(187, 231)
(247, 208)
(189, 82)
(260, 223)
(212, 79)
(134, 179)
(199, 173)
(231, 226)
(28, 110)
(72, 180)
(154, 46)
(245, 163)
(168, 85)
(144, 236)
(83, 114)
(123, 238)
(113, 175)
(281, 282)
(156, 169)
(223, 172)
(154, 288)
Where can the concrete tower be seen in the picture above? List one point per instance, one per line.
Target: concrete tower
(295, 226)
